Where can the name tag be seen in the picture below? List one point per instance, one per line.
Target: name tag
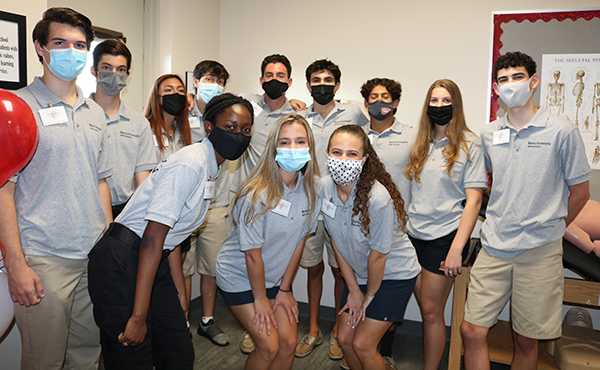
(165, 142)
(194, 122)
(53, 116)
(210, 189)
(283, 208)
(328, 208)
(257, 109)
(310, 121)
(501, 137)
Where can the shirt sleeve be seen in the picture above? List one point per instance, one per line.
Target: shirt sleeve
(105, 167)
(251, 234)
(475, 175)
(146, 159)
(175, 186)
(574, 162)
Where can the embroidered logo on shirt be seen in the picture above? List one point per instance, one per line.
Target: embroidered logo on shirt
(397, 142)
(538, 144)
(94, 127)
(128, 135)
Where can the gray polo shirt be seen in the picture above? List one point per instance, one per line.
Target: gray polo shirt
(222, 191)
(384, 236)
(393, 147)
(171, 143)
(531, 178)
(56, 196)
(263, 122)
(129, 137)
(277, 236)
(436, 207)
(173, 194)
(340, 115)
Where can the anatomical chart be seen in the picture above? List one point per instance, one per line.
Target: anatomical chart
(570, 88)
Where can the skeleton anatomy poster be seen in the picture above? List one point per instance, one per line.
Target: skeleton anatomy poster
(570, 88)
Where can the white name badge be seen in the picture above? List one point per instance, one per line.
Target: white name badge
(165, 142)
(194, 122)
(310, 121)
(501, 137)
(257, 109)
(53, 116)
(283, 208)
(328, 208)
(209, 189)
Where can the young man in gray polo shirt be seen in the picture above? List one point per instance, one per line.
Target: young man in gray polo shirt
(129, 136)
(392, 141)
(210, 78)
(276, 72)
(323, 79)
(56, 208)
(540, 183)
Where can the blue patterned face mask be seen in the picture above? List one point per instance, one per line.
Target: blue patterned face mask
(209, 91)
(292, 159)
(66, 64)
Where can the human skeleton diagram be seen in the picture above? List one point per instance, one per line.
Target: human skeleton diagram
(596, 107)
(578, 92)
(556, 95)
(596, 158)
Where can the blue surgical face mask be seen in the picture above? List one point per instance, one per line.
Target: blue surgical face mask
(66, 64)
(292, 159)
(209, 91)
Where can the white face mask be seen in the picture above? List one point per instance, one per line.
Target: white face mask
(515, 94)
(344, 171)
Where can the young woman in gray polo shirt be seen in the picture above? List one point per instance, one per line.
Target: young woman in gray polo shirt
(136, 301)
(446, 166)
(364, 214)
(275, 208)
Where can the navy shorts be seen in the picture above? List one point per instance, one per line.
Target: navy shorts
(389, 303)
(431, 253)
(240, 298)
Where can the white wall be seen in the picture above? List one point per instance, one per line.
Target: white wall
(410, 41)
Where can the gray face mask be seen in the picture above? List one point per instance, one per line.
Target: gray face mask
(111, 83)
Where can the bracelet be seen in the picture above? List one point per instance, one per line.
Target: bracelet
(285, 291)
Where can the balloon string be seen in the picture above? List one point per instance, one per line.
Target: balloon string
(3, 252)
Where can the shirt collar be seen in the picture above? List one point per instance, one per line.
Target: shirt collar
(47, 98)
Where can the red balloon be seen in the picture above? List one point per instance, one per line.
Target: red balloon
(18, 135)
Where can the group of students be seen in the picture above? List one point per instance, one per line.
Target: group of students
(393, 205)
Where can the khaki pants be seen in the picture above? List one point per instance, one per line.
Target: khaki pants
(59, 332)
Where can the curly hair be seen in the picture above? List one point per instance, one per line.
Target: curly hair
(373, 169)
(514, 59)
(393, 87)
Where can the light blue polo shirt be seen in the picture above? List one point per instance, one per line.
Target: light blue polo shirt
(198, 134)
(393, 148)
(340, 115)
(436, 207)
(171, 143)
(384, 236)
(275, 234)
(132, 150)
(173, 194)
(531, 178)
(56, 196)
(263, 122)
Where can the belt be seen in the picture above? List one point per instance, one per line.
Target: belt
(128, 237)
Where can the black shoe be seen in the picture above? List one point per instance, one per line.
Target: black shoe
(214, 333)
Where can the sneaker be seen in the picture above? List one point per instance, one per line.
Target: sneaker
(247, 345)
(389, 363)
(307, 344)
(344, 364)
(213, 332)
(335, 351)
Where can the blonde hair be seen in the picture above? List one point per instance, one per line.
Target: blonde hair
(266, 176)
(455, 132)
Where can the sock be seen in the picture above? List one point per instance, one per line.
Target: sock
(206, 319)
(386, 342)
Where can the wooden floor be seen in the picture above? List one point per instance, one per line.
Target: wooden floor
(407, 350)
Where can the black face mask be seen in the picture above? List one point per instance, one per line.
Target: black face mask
(230, 145)
(322, 94)
(440, 115)
(174, 104)
(381, 110)
(274, 88)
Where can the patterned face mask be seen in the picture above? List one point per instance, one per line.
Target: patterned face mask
(344, 171)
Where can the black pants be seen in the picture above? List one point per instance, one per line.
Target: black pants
(112, 278)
